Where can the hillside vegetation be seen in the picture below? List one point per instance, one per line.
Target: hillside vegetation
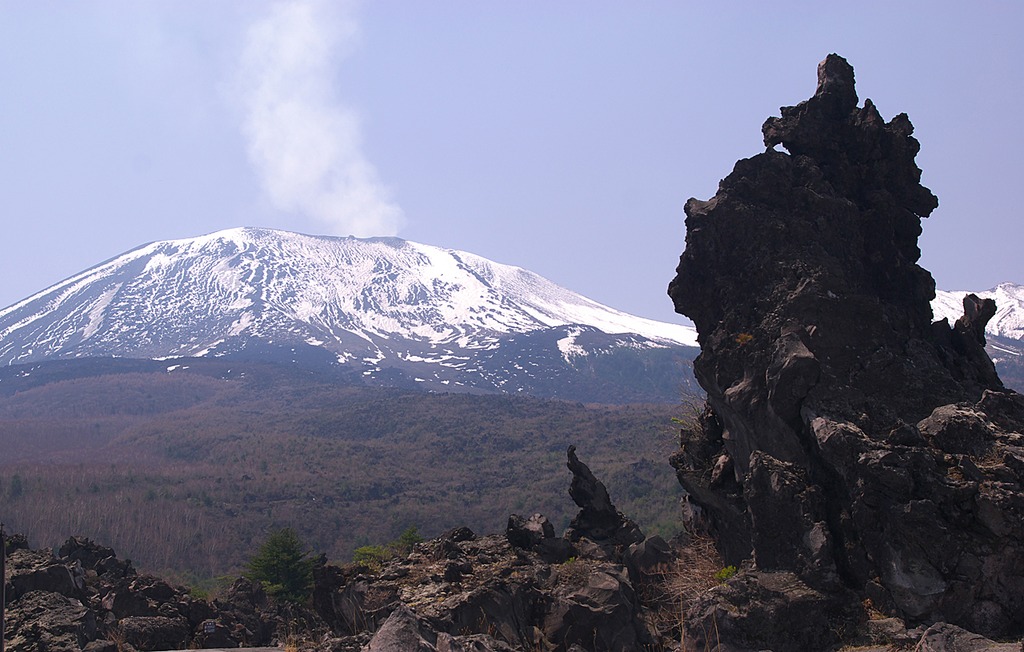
(186, 471)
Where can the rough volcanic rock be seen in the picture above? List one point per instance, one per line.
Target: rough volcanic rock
(525, 590)
(39, 570)
(141, 596)
(16, 541)
(650, 557)
(86, 597)
(45, 620)
(403, 630)
(761, 610)
(464, 593)
(456, 593)
(255, 619)
(598, 520)
(538, 534)
(94, 557)
(600, 615)
(528, 533)
(155, 632)
(847, 439)
(943, 637)
(506, 598)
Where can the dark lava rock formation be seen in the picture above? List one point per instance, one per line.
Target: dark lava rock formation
(854, 458)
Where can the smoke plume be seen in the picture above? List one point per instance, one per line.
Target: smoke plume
(303, 141)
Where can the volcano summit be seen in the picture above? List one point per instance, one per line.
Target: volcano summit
(382, 310)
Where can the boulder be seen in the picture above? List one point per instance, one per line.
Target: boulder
(528, 533)
(601, 616)
(123, 602)
(39, 570)
(95, 557)
(154, 632)
(43, 620)
(505, 610)
(943, 637)
(84, 551)
(16, 542)
(760, 610)
(247, 609)
(651, 557)
(403, 632)
(538, 535)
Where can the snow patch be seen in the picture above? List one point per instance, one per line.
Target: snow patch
(157, 263)
(96, 313)
(243, 322)
(567, 345)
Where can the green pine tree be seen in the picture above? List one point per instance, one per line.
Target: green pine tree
(283, 567)
(409, 538)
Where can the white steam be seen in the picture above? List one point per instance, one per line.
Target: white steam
(303, 142)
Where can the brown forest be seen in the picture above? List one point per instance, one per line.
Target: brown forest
(186, 472)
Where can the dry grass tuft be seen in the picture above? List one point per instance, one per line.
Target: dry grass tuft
(575, 573)
(697, 570)
(672, 589)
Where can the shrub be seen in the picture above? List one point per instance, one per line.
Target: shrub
(372, 556)
(725, 573)
(375, 555)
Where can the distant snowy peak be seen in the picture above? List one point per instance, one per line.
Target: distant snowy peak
(190, 297)
(1009, 318)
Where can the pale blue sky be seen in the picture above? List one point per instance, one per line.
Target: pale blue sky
(563, 137)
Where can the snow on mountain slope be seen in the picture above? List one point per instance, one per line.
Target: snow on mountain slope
(371, 303)
(1008, 321)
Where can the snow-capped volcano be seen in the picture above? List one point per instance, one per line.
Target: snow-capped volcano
(374, 304)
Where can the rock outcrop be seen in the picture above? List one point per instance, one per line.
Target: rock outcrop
(598, 520)
(852, 452)
(526, 590)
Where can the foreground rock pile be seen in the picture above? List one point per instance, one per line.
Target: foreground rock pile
(602, 586)
(85, 598)
(862, 465)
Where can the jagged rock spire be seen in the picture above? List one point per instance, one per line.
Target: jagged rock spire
(827, 384)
